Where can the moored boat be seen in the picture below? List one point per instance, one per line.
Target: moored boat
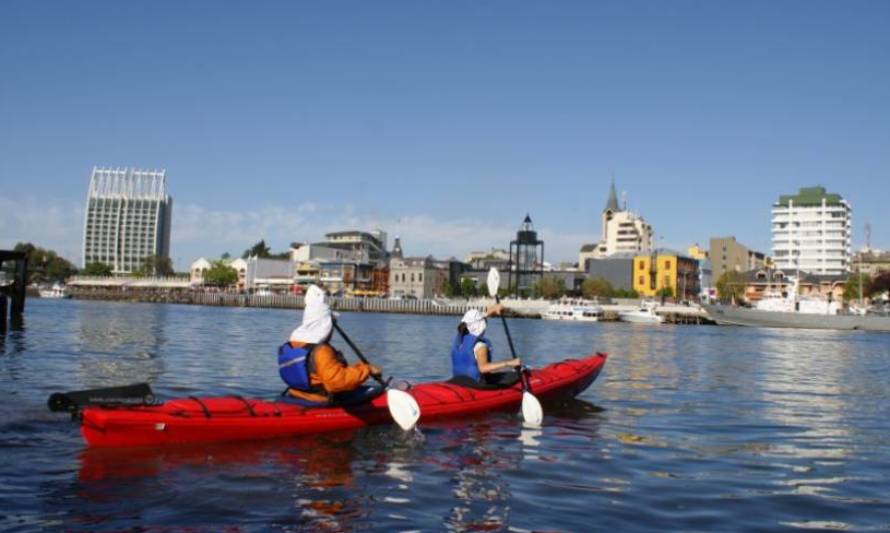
(56, 291)
(645, 314)
(577, 313)
(229, 418)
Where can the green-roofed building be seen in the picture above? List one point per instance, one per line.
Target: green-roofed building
(812, 231)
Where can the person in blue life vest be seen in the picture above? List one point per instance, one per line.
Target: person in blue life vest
(471, 354)
(316, 373)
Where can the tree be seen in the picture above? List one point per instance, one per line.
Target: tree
(550, 287)
(97, 269)
(226, 255)
(467, 287)
(879, 284)
(624, 293)
(155, 265)
(665, 293)
(730, 287)
(596, 287)
(220, 274)
(851, 287)
(45, 265)
(260, 249)
(447, 289)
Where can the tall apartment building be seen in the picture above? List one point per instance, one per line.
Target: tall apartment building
(727, 254)
(127, 218)
(623, 232)
(812, 232)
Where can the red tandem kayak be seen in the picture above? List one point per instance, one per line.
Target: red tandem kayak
(229, 418)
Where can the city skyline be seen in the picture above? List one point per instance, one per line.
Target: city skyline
(443, 123)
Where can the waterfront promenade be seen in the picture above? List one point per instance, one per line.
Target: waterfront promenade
(522, 308)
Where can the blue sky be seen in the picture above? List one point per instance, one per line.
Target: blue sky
(444, 122)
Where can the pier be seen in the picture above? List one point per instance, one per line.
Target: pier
(12, 292)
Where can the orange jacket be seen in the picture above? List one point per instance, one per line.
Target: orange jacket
(331, 373)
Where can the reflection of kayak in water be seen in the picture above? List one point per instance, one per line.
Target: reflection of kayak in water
(193, 419)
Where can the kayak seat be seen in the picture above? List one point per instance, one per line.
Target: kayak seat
(493, 381)
(358, 396)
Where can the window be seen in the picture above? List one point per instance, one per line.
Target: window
(667, 264)
(642, 280)
(420, 277)
(412, 277)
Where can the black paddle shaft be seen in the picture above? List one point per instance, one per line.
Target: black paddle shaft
(358, 352)
(497, 300)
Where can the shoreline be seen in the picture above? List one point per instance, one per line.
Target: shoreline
(531, 309)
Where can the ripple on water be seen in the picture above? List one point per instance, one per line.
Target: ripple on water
(688, 428)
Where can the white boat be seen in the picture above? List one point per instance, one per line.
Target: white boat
(644, 315)
(578, 313)
(790, 302)
(56, 291)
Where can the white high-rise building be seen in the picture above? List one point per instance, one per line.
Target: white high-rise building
(812, 232)
(127, 218)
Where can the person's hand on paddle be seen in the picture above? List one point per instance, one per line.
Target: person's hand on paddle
(375, 371)
(512, 363)
(495, 310)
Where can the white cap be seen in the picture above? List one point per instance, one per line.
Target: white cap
(317, 318)
(475, 321)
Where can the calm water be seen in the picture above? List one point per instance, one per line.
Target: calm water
(688, 428)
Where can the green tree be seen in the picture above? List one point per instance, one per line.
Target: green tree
(596, 287)
(550, 287)
(97, 269)
(447, 289)
(730, 287)
(879, 284)
(624, 293)
(467, 287)
(851, 287)
(45, 265)
(155, 265)
(220, 274)
(260, 249)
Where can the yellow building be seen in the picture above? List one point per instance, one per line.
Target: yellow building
(696, 252)
(652, 273)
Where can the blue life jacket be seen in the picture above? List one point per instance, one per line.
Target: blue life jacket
(463, 358)
(293, 366)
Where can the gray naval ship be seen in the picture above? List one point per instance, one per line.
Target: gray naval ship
(744, 316)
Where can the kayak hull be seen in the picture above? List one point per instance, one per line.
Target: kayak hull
(232, 418)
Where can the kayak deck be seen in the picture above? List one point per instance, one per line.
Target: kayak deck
(216, 419)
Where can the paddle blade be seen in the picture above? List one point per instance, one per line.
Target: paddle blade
(403, 408)
(532, 412)
(494, 282)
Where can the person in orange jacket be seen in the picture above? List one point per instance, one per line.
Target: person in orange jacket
(316, 373)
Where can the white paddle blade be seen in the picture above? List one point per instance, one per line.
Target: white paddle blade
(494, 282)
(403, 408)
(532, 412)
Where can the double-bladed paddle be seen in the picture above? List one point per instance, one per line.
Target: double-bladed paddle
(532, 412)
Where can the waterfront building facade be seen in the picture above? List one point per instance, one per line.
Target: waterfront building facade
(727, 254)
(871, 262)
(622, 232)
(128, 217)
(197, 270)
(617, 270)
(665, 271)
(415, 277)
(812, 232)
